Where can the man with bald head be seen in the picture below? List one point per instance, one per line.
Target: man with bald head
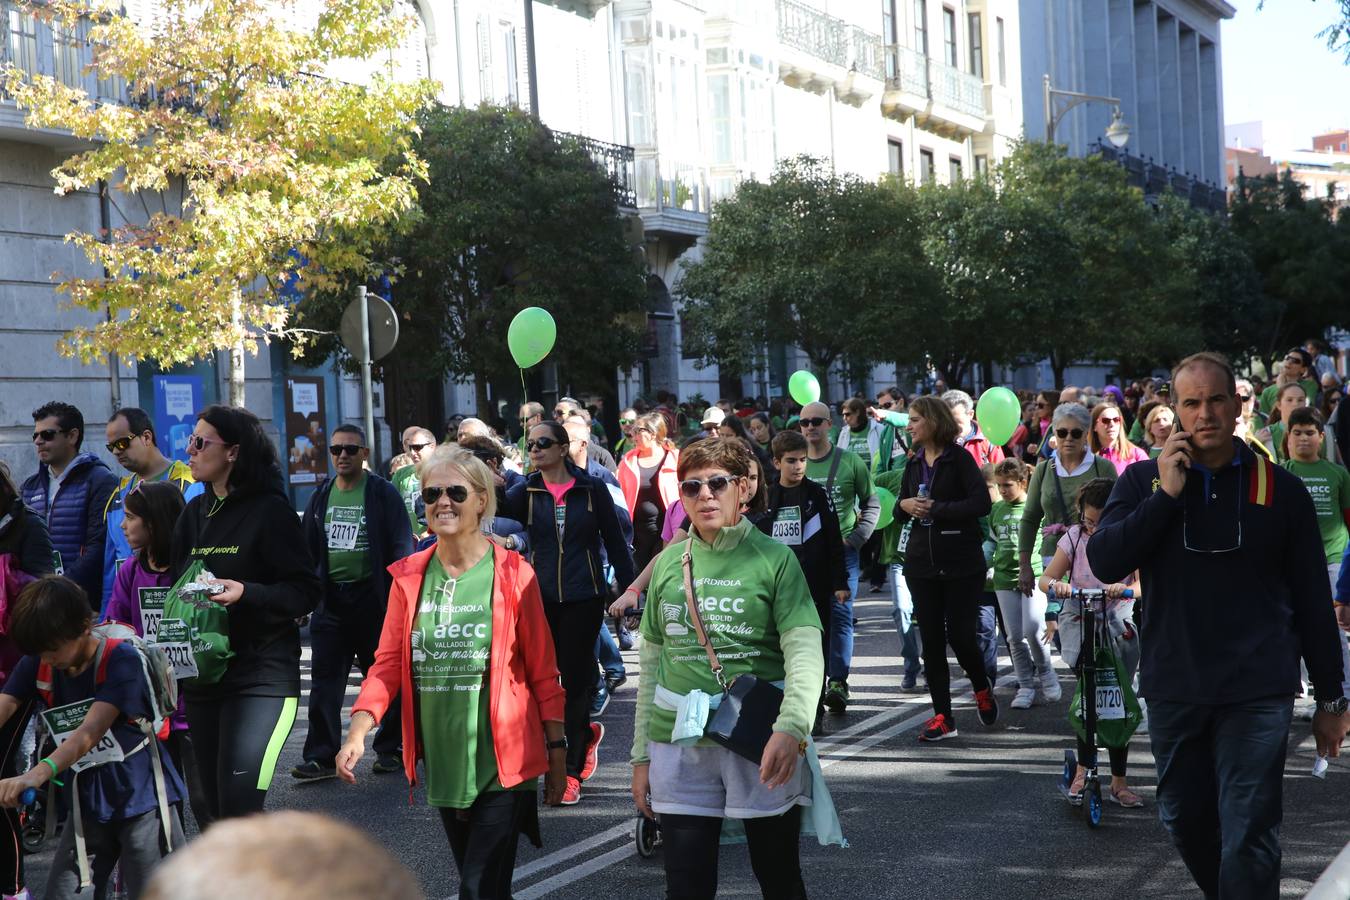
(848, 481)
(418, 442)
(1234, 590)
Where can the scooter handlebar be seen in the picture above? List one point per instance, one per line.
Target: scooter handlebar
(1098, 594)
(29, 796)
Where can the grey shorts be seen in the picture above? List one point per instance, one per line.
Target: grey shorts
(713, 781)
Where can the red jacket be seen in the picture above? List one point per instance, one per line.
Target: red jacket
(523, 687)
(667, 479)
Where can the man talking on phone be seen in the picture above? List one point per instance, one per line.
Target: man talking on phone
(1235, 589)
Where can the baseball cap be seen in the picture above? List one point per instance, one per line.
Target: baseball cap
(713, 415)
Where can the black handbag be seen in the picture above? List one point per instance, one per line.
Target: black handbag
(743, 721)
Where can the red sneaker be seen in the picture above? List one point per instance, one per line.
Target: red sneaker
(987, 705)
(572, 793)
(938, 728)
(592, 760)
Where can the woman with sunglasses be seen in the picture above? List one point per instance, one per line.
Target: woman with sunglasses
(1288, 397)
(759, 618)
(467, 651)
(1051, 510)
(1036, 431)
(1108, 437)
(647, 476)
(245, 531)
(1250, 420)
(572, 527)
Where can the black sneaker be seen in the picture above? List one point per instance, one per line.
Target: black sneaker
(615, 682)
(386, 763)
(312, 771)
(836, 696)
(987, 705)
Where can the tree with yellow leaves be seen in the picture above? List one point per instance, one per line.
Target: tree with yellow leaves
(285, 174)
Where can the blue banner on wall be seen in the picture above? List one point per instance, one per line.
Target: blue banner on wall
(177, 400)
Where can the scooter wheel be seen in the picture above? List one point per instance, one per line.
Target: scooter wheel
(1070, 767)
(645, 834)
(1094, 804)
(34, 836)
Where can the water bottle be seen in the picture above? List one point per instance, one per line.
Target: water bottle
(924, 494)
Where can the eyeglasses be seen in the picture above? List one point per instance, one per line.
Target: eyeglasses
(1186, 532)
(349, 449)
(1075, 434)
(121, 444)
(814, 422)
(543, 443)
(196, 443)
(456, 492)
(692, 487)
(416, 448)
(1110, 420)
(47, 434)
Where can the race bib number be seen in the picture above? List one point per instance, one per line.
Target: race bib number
(63, 721)
(787, 528)
(344, 528)
(174, 639)
(152, 610)
(57, 566)
(560, 517)
(1110, 702)
(904, 537)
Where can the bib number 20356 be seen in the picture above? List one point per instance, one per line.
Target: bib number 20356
(63, 721)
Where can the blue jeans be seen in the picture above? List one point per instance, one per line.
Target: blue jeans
(986, 631)
(902, 611)
(841, 624)
(1220, 790)
(607, 652)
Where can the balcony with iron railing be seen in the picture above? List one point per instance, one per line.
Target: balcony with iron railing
(1153, 179)
(618, 161)
(823, 51)
(939, 97)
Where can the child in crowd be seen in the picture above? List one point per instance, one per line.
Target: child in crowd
(1064, 614)
(1023, 616)
(113, 799)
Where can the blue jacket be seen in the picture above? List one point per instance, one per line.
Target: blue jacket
(573, 568)
(75, 520)
(388, 530)
(116, 550)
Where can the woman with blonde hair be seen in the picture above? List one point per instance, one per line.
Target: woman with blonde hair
(647, 476)
(1158, 420)
(467, 650)
(1108, 437)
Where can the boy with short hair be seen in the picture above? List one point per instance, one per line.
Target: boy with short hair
(1328, 483)
(119, 808)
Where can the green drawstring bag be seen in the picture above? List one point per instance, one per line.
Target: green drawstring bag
(1118, 712)
(195, 630)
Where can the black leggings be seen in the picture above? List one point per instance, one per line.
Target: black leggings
(1119, 756)
(483, 841)
(185, 761)
(237, 741)
(690, 844)
(948, 611)
(574, 626)
(11, 843)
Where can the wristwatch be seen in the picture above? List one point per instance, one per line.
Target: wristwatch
(1334, 707)
(510, 542)
(560, 744)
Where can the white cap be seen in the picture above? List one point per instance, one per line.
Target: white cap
(713, 415)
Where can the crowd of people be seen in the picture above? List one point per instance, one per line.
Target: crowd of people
(486, 588)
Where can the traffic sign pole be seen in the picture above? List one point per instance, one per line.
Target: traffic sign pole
(367, 392)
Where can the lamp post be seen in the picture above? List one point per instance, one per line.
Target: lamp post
(1118, 133)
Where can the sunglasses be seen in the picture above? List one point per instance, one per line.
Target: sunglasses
(47, 434)
(627, 421)
(815, 422)
(1110, 420)
(886, 405)
(121, 444)
(197, 443)
(349, 449)
(456, 492)
(1070, 433)
(692, 487)
(543, 443)
(561, 411)
(1243, 398)
(416, 448)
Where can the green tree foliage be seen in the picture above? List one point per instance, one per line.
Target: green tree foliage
(513, 215)
(826, 262)
(271, 160)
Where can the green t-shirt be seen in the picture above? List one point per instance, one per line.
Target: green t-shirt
(1269, 395)
(344, 522)
(857, 443)
(750, 591)
(409, 487)
(1279, 449)
(852, 484)
(451, 649)
(1329, 485)
(1004, 521)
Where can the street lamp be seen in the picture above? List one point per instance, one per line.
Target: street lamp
(1118, 133)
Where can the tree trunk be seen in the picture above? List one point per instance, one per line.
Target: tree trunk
(1057, 366)
(481, 403)
(237, 350)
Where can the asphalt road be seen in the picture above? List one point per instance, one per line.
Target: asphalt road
(974, 817)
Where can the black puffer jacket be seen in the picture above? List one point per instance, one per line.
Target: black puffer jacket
(952, 546)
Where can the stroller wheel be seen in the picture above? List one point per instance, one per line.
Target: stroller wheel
(1094, 803)
(647, 834)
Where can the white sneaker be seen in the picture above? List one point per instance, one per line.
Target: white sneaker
(1025, 698)
(1050, 689)
(21, 895)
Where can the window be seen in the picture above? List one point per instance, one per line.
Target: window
(949, 35)
(981, 166)
(921, 26)
(635, 95)
(888, 25)
(508, 32)
(896, 152)
(22, 39)
(66, 44)
(927, 167)
(953, 169)
(719, 86)
(976, 44)
(1002, 56)
(484, 61)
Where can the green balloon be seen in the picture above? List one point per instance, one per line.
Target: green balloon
(803, 387)
(887, 507)
(531, 336)
(999, 412)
